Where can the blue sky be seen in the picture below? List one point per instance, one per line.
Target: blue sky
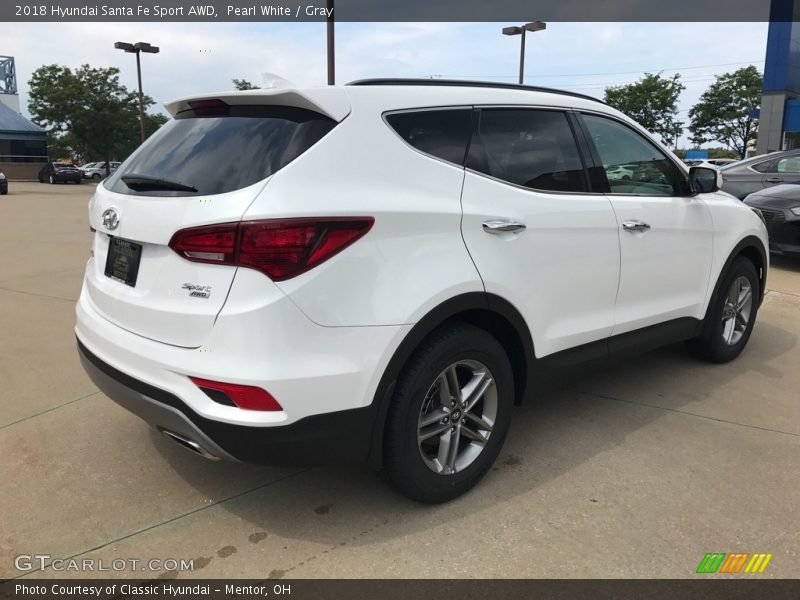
(584, 57)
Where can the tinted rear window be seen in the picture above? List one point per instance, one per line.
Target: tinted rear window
(221, 153)
(530, 148)
(440, 133)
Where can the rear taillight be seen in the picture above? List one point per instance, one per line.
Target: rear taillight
(279, 248)
(213, 243)
(247, 397)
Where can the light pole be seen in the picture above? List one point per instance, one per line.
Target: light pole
(521, 30)
(138, 48)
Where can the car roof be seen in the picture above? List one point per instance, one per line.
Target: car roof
(398, 94)
(460, 83)
(762, 157)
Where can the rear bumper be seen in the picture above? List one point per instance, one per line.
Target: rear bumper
(340, 437)
(4, 186)
(325, 378)
(258, 339)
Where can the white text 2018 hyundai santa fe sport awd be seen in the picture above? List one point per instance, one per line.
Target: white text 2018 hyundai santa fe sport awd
(379, 272)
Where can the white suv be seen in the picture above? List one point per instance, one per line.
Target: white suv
(379, 272)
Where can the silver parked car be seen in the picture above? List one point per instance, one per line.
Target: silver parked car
(97, 170)
(755, 174)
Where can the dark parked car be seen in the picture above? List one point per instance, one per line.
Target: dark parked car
(755, 174)
(3, 184)
(55, 172)
(780, 206)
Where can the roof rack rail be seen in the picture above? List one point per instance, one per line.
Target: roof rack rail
(465, 83)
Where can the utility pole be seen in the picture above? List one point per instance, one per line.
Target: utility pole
(331, 48)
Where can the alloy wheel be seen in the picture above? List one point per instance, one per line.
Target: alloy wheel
(737, 310)
(457, 417)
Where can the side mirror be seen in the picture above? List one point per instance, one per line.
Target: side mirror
(703, 180)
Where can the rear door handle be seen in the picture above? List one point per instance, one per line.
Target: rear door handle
(635, 226)
(503, 226)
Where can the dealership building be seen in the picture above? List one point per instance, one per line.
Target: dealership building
(23, 144)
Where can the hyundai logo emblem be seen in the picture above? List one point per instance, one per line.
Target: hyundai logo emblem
(111, 219)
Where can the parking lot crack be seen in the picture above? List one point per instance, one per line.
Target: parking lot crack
(690, 414)
(778, 293)
(172, 519)
(51, 409)
(5, 289)
(44, 274)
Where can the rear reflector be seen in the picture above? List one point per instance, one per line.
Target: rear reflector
(279, 248)
(246, 397)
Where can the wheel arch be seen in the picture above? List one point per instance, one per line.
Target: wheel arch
(487, 311)
(752, 248)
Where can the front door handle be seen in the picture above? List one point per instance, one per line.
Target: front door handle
(635, 226)
(503, 226)
(774, 180)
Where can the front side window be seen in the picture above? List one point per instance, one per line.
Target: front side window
(528, 147)
(633, 164)
(440, 133)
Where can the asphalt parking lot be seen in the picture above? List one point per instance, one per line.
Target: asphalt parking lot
(636, 471)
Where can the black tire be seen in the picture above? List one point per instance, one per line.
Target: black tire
(96, 176)
(712, 345)
(404, 465)
(77, 182)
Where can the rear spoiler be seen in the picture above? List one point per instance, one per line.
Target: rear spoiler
(329, 101)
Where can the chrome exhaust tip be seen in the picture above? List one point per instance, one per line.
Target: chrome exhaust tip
(188, 444)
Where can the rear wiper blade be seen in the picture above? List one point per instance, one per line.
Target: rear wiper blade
(145, 183)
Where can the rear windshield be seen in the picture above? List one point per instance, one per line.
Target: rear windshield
(220, 153)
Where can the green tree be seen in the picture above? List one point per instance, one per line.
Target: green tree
(725, 112)
(722, 153)
(88, 111)
(152, 122)
(243, 84)
(651, 102)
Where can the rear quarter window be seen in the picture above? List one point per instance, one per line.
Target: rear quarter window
(441, 133)
(224, 151)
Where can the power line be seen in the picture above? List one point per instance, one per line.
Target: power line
(599, 84)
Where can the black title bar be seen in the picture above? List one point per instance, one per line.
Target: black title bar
(510, 11)
(702, 587)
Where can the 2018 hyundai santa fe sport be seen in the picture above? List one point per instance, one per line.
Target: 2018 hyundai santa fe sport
(379, 272)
